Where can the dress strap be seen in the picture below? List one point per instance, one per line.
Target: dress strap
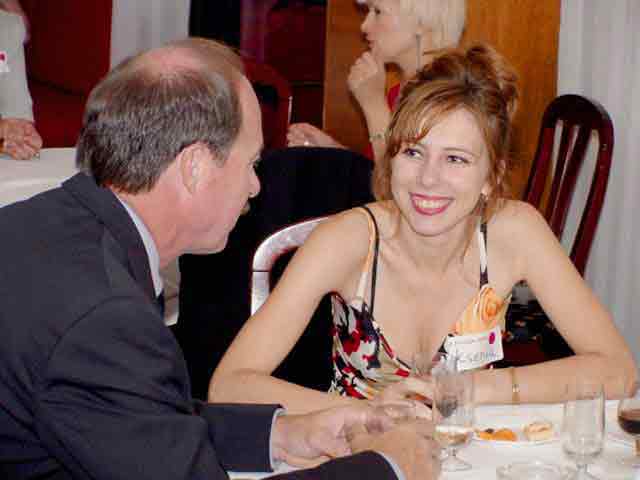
(371, 264)
(482, 248)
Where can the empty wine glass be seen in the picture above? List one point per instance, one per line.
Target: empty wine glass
(583, 425)
(629, 421)
(453, 413)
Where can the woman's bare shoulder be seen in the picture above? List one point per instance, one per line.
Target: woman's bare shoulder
(518, 218)
(345, 234)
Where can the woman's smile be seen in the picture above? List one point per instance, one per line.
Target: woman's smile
(430, 204)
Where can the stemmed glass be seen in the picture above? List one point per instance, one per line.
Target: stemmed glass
(453, 412)
(423, 368)
(583, 425)
(629, 421)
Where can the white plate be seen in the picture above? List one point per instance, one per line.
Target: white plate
(515, 421)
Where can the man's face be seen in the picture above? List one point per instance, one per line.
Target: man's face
(226, 189)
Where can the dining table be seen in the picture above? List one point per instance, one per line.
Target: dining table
(486, 456)
(22, 179)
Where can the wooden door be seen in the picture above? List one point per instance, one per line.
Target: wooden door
(524, 31)
(341, 115)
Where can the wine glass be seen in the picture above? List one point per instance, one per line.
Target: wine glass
(583, 424)
(423, 368)
(453, 413)
(629, 420)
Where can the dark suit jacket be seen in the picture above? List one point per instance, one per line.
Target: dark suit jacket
(92, 384)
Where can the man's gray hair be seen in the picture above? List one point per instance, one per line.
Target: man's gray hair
(152, 106)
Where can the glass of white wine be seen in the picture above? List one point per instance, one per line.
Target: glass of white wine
(453, 414)
(583, 425)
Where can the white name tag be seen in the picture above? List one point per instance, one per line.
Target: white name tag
(4, 62)
(475, 350)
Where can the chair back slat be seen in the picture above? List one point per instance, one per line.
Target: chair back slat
(268, 252)
(579, 118)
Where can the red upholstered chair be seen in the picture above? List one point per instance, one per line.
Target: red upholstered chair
(274, 246)
(68, 53)
(274, 93)
(576, 119)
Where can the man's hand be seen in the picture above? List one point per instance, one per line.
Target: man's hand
(19, 138)
(307, 440)
(410, 445)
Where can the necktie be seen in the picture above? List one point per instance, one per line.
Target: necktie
(160, 302)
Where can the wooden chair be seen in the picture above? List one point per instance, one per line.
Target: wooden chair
(274, 93)
(576, 119)
(272, 248)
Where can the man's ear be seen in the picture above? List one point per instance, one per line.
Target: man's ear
(194, 163)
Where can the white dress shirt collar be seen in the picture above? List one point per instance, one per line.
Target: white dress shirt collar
(149, 246)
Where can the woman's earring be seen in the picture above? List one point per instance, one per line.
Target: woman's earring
(482, 205)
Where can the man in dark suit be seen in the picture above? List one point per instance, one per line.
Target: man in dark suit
(92, 384)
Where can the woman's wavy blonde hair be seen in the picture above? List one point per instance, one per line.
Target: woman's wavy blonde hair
(477, 79)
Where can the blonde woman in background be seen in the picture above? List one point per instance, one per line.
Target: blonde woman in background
(404, 33)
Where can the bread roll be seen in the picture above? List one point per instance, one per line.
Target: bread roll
(540, 430)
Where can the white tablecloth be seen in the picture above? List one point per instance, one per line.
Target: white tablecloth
(20, 180)
(487, 456)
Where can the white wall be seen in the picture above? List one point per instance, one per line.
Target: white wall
(142, 24)
(599, 57)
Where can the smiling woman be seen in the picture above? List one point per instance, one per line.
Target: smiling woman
(431, 265)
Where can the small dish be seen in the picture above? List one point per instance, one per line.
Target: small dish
(533, 470)
(516, 422)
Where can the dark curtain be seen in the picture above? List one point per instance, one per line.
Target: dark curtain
(218, 19)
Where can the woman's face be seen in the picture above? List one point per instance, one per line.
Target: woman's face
(390, 32)
(437, 182)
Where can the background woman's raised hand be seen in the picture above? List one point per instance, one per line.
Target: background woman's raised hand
(367, 79)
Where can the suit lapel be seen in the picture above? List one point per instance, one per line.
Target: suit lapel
(110, 212)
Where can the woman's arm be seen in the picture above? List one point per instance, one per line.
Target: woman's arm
(244, 373)
(600, 351)
(366, 82)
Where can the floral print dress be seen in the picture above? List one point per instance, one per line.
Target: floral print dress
(363, 361)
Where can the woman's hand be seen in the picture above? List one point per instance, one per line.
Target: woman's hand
(367, 79)
(306, 135)
(419, 390)
(19, 138)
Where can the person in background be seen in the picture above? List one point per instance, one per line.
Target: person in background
(430, 267)
(93, 384)
(18, 136)
(404, 33)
